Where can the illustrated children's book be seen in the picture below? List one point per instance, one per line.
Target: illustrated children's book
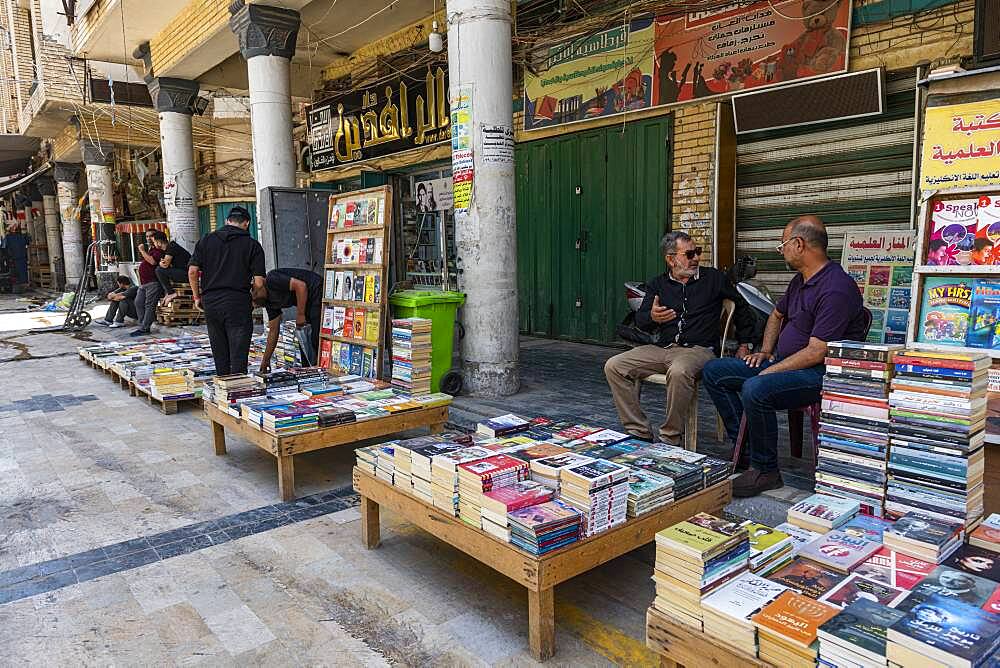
(944, 310)
(984, 315)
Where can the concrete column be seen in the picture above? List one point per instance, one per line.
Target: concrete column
(37, 221)
(174, 100)
(67, 176)
(98, 157)
(267, 40)
(479, 57)
(47, 187)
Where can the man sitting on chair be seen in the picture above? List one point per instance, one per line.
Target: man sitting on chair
(822, 304)
(683, 306)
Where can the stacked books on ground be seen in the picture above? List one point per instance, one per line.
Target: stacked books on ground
(170, 385)
(478, 477)
(599, 490)
(411, 354)
(693, 558)
(544, 527)
(937, 432)
(497, 503)
(853, 434)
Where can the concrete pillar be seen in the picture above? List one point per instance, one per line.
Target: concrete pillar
(267, 40)
(174, 99)
(47, 187)
(479, 57)
(67, 175)
(98, 156)
(37, 221)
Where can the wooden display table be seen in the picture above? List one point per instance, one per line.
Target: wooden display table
(538, 574)
(680, 645)
(284, 447)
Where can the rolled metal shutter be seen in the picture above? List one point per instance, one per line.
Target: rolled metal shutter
(854, 174)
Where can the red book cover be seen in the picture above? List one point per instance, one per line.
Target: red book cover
(349, 323)
(895, 568)
(491, 467)
(363, 253)
(520, 495)
(325, 347)
(993, 602)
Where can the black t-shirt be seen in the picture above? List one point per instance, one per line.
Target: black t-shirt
(178, 256)
(229, 259)
(281, 296)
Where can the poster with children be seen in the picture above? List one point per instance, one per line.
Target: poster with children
(964, 231)
(882, 266)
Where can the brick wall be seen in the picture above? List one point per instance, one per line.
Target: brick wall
(193, 25)
(940, 36)
(8, 92)
(693, 173)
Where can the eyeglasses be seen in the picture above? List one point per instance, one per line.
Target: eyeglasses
(780, 246)
(691, 253)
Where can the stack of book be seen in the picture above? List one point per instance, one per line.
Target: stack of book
(840, 551)
(853, 439)
(682, 466)
(944, 631)
(278, 382)
(333, 416)
(544, 527)
(599, 490)
(924, 536)
(987, 534)
(411, 355)
(421, 473)
(787, 629)
(857, 636)
(694, 558)
(367, 458)
(444, 475)
(547, 470)
(770, 549)
(648, 491)
(937, 431)
(726, 612)
(498, 502)
(822, 513)
(234, 389)
(289, 420)
(287, 352)
(485, 475)
(503, 425)
(170, 384)
(385, 469)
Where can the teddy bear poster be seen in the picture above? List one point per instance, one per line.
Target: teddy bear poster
(711, 53)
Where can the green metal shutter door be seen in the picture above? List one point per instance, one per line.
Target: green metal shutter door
(855, 174)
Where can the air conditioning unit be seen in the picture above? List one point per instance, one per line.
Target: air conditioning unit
(986, 46)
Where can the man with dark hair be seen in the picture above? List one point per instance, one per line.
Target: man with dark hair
(122, 304)
(982, 250)
(284, 288)
(15, 244)
(683, 306)
(822, 304)
(224, 265)
(173, 266)
(937, 252)
(149, 289)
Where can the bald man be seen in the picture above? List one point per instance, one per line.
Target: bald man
(822, 304)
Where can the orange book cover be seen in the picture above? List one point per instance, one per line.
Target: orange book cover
(795, 617)
(349, 323)
(987, 534)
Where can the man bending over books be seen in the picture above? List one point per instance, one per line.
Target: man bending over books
(683, 306)
(822, 304)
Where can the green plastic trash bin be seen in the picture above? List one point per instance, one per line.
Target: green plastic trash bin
(439, 307)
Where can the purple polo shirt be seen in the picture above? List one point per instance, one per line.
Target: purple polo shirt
(828, 306)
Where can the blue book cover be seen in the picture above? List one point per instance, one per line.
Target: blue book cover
(952, 627)
(345, 356)
(866, 526)
(961, 374)
(944, 310)
(356, 356)
(984, 315)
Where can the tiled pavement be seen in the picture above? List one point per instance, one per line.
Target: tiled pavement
(145, 548)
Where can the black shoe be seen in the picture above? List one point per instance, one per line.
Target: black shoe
(753, 483)
(139, 332)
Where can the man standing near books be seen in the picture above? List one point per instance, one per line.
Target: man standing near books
(284, 288)
(222, 268)
(822, 304)
(684, 306)
(149, 289)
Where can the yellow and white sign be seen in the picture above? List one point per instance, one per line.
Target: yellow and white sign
(961, 146)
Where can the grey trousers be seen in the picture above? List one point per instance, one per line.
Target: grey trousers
(145, 303)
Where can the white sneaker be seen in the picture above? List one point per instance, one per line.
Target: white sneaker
(116, 325)
(102, 321)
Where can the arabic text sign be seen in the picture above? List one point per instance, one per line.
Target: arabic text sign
(670, 59)
(408, 112)
(961, 146)
(882, 266)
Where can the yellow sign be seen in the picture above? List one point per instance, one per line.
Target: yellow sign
(961, 146)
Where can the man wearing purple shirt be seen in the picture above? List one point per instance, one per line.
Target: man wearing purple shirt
(822, 304)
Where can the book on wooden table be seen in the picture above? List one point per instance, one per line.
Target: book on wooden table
(987, 534)
(945, 630)
(821, 512)
(975, 560)
(498, 502)
(895, 568)
(948, 582)
(701, 537)
(788, 628)
(855, 350)
(867, 527)
(839, 550)
(765, 543)
(859, 629)
(924, 536)
(648, 491)
(502, 425)
(726, 612)
(547, 470)
(857, 588)
(807, 577)
(484, 475)
(605, 437)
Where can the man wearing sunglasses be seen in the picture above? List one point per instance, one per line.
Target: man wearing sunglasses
(684, 306)
(822, 304)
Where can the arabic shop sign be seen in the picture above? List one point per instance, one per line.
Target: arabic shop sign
(662, 60)
(402, 114)
(961, 146)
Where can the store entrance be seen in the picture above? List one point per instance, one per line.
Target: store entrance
(591, 207)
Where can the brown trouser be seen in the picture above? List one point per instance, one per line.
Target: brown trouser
(682, 366)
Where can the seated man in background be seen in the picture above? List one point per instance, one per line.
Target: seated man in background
(173, 267)
(122, 305)
(822, 304)
(284, 288)
(684, 306)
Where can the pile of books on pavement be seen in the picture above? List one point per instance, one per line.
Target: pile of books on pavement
(411, 354)
(853, 435)
(860, 591)
(937, 432)
(169, 385)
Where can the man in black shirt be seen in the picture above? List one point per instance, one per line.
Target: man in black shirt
(228, 261)
(284, 288)
(684, 306)
(173, 265)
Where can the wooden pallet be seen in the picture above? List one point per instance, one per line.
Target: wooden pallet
(180, 311)
(167, 406)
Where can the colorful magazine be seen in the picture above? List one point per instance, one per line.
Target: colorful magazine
(953, 231)
(944, 310)
(984, 315)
